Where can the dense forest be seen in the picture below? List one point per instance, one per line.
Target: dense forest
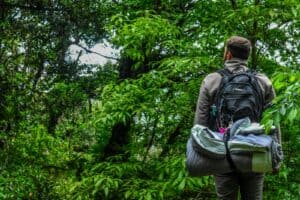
(70, 129)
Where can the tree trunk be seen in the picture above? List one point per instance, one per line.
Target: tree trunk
(120, 131)
(153, 132)
(253, 52)
(171, 140)
(253, 40)
(233, 4)
(90, 104)
(118, 141)
(125, 68)
(52, 122)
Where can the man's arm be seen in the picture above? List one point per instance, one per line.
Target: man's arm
(208, 89)
(203, 105)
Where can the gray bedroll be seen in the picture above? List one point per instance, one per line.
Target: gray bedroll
(199, 165)
(250, 152)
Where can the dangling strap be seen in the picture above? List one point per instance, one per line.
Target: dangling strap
(228, 156)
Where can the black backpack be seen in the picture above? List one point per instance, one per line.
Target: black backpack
(239, 96)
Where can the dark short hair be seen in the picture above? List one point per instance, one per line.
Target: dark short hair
(239, 47)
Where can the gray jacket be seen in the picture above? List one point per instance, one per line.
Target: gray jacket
(210, 86)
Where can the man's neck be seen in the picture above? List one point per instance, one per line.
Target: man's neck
(236, 65)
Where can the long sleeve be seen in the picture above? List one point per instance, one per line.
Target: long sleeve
(207, 92)
(203, 105)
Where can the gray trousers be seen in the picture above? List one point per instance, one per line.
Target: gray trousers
(249, 184)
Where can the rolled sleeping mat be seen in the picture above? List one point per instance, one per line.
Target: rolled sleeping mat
(208, 143)
(200, 165)
(206, 152)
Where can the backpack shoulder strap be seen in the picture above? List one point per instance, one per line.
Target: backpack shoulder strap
(226, 75)
(257, 88)
(251, 71)
(224, 72)
(254, 81)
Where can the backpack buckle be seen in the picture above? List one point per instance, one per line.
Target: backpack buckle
(223, 130)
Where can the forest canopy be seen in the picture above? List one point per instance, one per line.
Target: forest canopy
(71, 129)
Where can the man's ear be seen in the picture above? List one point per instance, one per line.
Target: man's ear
(228, 55)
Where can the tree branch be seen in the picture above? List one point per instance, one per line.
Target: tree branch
(77, 59)
(99, 54)
(151, 139)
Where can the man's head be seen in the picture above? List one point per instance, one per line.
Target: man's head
(237, 47)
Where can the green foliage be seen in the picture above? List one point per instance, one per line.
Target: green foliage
(165, 179)
(286, 109)
(285, 112)
(29, 159)
(70, 130)
(144, 36)
(22, 183)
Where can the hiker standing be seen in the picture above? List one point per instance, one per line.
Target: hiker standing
(237, 50)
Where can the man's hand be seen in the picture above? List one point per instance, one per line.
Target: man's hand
(276, 170)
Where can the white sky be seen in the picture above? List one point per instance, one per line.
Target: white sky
(93, 58)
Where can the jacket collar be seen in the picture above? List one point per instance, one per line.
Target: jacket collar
(236, 65)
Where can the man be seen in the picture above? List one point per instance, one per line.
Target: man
(237, 50)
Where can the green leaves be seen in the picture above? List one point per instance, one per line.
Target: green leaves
(59, 118)
(292, 116)
(144, 36)
(286, 109)
(133, 180)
